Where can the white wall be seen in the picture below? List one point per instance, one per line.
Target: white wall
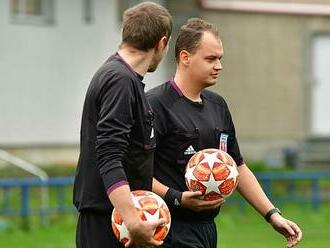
(45, 71)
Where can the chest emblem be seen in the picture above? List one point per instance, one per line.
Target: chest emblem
(223, 142)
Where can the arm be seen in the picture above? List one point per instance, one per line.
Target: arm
(186, 199)
(251, 190)
(115, 122)
(159, 188)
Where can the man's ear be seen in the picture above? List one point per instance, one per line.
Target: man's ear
(184, 57)
(162, 43)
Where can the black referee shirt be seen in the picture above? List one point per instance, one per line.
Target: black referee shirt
(182, 128)
(117, 141)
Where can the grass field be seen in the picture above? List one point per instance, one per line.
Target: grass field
(249, 230)
(236, 229)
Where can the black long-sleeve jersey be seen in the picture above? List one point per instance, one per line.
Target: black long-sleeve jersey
(116, 143)
(182, 128)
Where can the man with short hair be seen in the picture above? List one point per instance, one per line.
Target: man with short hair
(190, 118)
(117, 142)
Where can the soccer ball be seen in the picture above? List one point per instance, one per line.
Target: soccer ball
(213, 172)
(151, 207)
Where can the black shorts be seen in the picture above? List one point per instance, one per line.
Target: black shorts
(191, 235)
(94, 231)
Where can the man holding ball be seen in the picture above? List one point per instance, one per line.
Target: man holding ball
(190, 118)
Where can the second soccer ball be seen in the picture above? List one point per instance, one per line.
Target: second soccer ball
(213, 172)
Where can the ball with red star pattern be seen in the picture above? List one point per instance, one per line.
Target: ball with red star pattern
(213, 172)
(151, 207)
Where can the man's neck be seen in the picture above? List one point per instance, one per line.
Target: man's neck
(138, 60)
(189, 88)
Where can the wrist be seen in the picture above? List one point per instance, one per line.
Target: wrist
(173, 198)
(271, 212)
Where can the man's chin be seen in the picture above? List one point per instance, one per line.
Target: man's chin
(210, 83)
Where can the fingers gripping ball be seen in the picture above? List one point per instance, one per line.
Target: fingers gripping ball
(151, 207)
(213, 172)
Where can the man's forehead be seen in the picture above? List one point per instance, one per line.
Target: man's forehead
(211, 44)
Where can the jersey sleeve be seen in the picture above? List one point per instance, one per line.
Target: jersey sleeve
(113, 129)
(160, 122)
(233, 147)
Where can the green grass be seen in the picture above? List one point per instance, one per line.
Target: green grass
(236, 229)
(60, 233)
(249, 230)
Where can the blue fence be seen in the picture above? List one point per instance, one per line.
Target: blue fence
(297, 187)
(294, 187)
(314, 187)
(25, 186)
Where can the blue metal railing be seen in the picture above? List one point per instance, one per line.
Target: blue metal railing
(25, 186)
(297, 187)
(291, 182)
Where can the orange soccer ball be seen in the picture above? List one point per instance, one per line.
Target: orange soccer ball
(151, 207)
(213, 172)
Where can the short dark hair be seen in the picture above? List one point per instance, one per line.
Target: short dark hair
(145, 24)
(190, 35)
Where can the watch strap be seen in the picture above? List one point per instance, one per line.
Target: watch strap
(271, 212)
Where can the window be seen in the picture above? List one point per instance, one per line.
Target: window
(32, 11)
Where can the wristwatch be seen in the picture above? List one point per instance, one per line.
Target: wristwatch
(271, 212)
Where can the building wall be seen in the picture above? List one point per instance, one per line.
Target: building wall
(45, 71)
(292, 1)
(263, 73)
(266, 78)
